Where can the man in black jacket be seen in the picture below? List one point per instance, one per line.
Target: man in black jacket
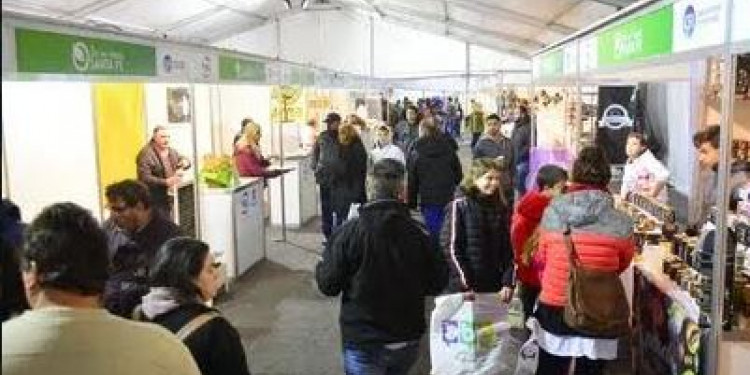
(521, 142)
(325, 156)
(384, 266)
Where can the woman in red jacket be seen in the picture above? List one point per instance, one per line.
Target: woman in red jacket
(247, 156)
(603, 239)
(550, 181)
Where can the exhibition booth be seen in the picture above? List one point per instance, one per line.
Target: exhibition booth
(77, 112)
(668, 69)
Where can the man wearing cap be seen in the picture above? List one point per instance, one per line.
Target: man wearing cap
(324, 160)
(382, 304)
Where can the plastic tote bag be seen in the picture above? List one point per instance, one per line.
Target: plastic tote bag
(528, 355)
(471, 337)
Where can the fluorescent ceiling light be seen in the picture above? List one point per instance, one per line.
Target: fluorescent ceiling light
(288, 4)
(305, 3)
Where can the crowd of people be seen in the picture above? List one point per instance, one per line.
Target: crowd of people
(132, 295)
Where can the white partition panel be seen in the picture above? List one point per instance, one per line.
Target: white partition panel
(51, 151)
(238, 102)
(204, 134)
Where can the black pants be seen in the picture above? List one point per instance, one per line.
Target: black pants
(528, 295)
(554, 365)
(326, 208)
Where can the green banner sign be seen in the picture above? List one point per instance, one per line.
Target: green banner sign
(47, 52)
(552, 64)
(646, 36)
(234, 69)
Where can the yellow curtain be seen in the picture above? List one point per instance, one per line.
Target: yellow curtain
(121, 131)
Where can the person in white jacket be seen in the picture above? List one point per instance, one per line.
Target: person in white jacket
(643, 172)
(384, 147)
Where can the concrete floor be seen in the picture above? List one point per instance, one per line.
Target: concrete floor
(287, 326)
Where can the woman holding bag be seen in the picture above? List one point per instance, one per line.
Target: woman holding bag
(476, 234)
(581, 227)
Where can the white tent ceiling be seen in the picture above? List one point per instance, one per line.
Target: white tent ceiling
(410, 36)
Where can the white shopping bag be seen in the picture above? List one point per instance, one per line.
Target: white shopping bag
(470, 337)
(528, 356)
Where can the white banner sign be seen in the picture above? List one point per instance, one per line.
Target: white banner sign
(589, 55)
(186, 65)
(570, 59)
(698, 24)
(741, 21)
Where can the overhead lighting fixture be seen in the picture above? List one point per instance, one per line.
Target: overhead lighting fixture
(304, 4)
(288, 4)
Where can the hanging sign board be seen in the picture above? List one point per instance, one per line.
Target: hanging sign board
(273, 73)
(741, 23)
(697, 24)
(300, 76)
(552, 64)
(287, 104)
(236, 69)
(48, 52)
(646, 36)
(588, 54)
(570, 58)
(186, 65)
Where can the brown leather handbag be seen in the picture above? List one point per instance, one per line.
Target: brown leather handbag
(597, 304)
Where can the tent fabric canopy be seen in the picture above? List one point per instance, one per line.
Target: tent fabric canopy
(414, 37)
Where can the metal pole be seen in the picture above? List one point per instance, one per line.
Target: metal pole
(281, 164)
(722, 201)
(196, 158)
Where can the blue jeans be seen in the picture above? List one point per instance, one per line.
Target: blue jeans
(522, 172)
(377, 359)
(433, 215)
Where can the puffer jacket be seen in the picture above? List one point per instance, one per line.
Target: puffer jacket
(476, 242)
(602, 236)
(434, 171)
(526, 218)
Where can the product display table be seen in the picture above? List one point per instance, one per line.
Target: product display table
(233, 224)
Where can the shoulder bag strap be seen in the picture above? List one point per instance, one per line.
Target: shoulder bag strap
(572, 254)
(195, 323)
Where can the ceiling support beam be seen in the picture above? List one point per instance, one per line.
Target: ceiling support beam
(484, 8)
(431, 29)
(619, 4)
(392, 10)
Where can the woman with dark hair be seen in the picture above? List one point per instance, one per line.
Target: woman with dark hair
(603, 241)
(476, 237)
(183, 279)
(350, 173)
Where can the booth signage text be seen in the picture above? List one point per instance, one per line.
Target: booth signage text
(47, 52)
(646, 36)
(235, 69)
(698, 23)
